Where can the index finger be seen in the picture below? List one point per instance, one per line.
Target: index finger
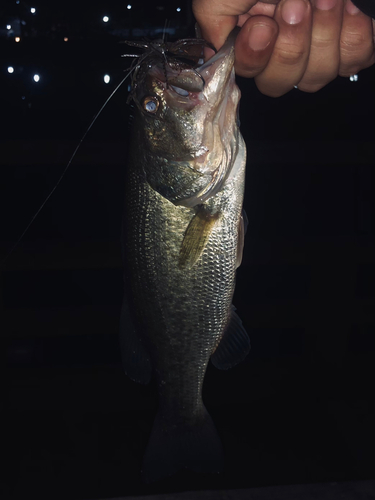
(217, 19)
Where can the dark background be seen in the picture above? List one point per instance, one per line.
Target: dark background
(300, 408)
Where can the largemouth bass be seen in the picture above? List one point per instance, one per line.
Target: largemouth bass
(182, 243)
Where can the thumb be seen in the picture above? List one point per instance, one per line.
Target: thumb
(254, 45)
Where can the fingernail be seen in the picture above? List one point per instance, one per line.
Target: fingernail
(351, 8)
(260, 36)
(293, 11)
(325, 4)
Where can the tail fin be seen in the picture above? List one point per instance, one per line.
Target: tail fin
(174, 447)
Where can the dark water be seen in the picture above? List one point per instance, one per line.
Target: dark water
(300, 409)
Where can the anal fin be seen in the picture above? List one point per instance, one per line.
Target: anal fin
(135, 360)
(241, 237)
(234, 346)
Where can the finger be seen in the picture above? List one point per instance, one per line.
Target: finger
(254, 45)
(289, 59)
(356, 44)
(324, 59)
(217, 19)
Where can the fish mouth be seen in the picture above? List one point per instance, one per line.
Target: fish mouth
(219, 143)
(216, 71)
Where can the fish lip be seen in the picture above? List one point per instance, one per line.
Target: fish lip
(229, 43)
(208, 69)
(218, 72)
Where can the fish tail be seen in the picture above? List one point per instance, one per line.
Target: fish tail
(172, 447)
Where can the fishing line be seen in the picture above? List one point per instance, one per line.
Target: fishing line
(67, 166)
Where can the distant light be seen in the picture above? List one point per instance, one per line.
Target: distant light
(9, 27)
(128, 6)
(66, 38)
(32, 10)
(17, 2)
(17, 39)
(106, 78)
(105, 19)
(23, 98)
(36, 78)
(178, 9)
(10, 69)
(353, 78)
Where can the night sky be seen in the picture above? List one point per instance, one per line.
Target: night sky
(300, 408)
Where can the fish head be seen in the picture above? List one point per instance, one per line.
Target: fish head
(187, 112)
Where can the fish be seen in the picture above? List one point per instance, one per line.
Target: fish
(182, 242)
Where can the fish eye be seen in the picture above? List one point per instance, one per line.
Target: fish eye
(180, 91)
(150, 104)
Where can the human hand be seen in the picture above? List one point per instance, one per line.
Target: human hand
(285, 43)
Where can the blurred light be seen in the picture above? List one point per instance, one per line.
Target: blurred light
(32, 10)
(128, 6)
(23, 98)
(65, 39)
(353, 78)
(17, 39)
(36, 78)
(106, 78)
(10, 69)
(9, 27)
(105, 19)
(17, 2)
(178, 9)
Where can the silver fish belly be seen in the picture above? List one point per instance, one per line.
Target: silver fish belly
(182, 243)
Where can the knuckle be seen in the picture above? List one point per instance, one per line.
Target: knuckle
(311, 87)
(273, 93)
(352, 62)
(322, 67)
(271, 88)
(289, 55)
(243, 68)
(321, 42)
(356, 52)
(249, 72)
(353, 41)
(347, 70)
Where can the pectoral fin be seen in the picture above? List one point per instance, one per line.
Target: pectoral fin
(233, 347)
(196, 236)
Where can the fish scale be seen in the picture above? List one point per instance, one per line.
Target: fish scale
(180, 259)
